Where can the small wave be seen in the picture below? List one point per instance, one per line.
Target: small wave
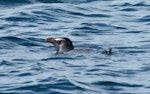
(43, 1)
(15, 1)
(18, 19)
(145, 19)
(91, 28)
(141, 4)
(60, 57)
(9, 41)
(9, 2)
(7, 63)
(58, 87)
(50, 1)
(85, 87)
(110, 83)
(29, 1)
(20, 16)
(89, 15)
(129, 9)
(134, 32)
(127, 4)
(66, 1)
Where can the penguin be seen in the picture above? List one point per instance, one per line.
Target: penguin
(63, 44)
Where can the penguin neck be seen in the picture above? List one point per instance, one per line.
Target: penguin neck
(64, 49)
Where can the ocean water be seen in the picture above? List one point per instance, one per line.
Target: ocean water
(29, 65)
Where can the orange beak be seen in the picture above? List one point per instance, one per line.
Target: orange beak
(50, 40)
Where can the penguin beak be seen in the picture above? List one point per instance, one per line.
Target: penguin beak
(50, 40)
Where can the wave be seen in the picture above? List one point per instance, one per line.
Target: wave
(44, 1)
(10, 41)
(16, 1)
(29, 1)
(145, 19)
(111, 83)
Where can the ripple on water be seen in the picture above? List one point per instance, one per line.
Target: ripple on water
(145, 19)
(11, 40)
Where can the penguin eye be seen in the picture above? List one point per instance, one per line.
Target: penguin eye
(59, 42)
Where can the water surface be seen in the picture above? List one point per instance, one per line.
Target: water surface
(28, 65)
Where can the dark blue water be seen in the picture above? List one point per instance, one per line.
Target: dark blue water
(28, 64)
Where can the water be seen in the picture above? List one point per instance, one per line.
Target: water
(28, 64)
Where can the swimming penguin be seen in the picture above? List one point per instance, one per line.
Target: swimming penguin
(63, 44)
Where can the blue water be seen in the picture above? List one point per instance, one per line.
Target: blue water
(28, 64)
